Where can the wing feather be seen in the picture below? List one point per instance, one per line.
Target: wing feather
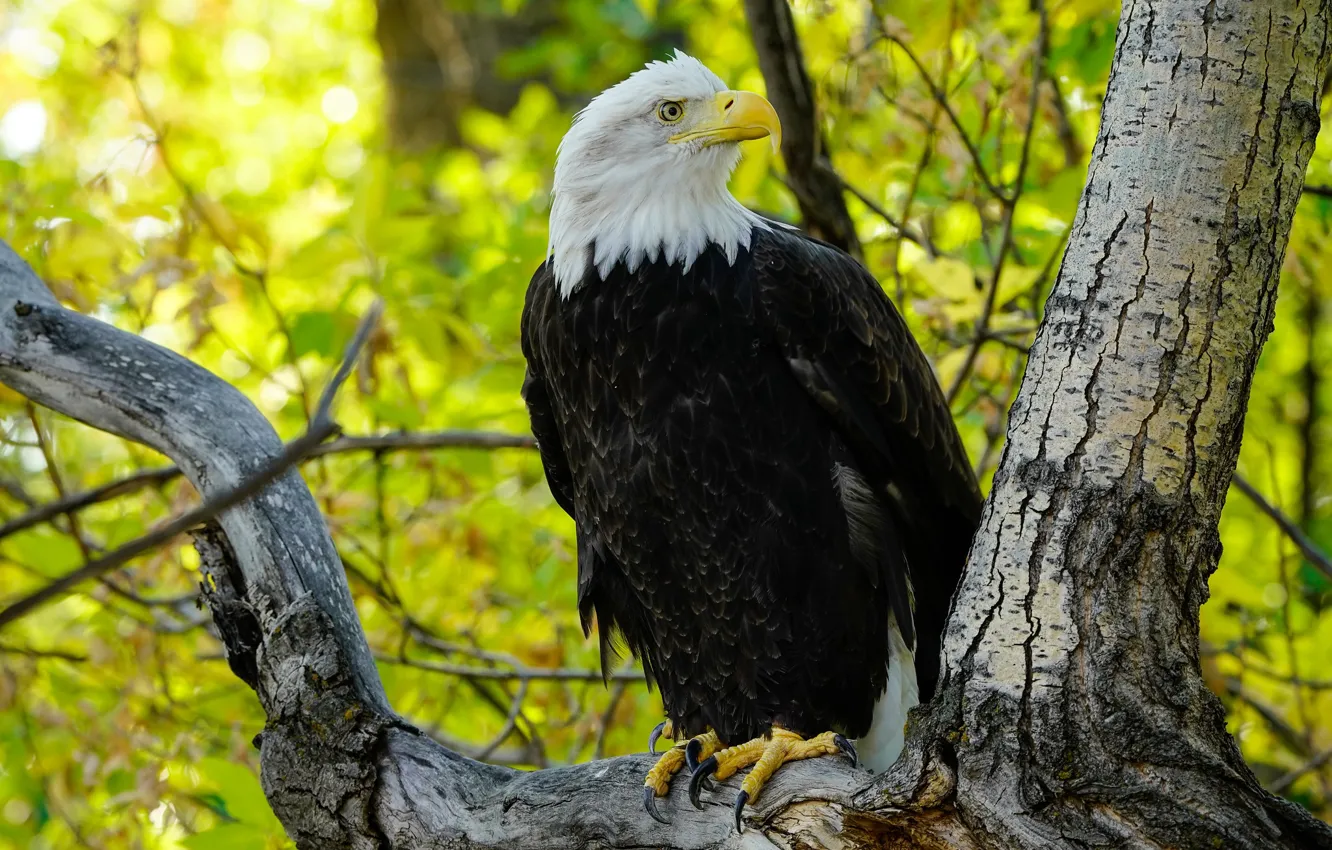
(851, 350)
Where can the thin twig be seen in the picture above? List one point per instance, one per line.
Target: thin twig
(1307, 547)
(1268, 673)
(1010, 204)
(402, 441)
(72, 657)
(941, 98)
(599, 751)
(1284, 782)
(208, 217)
(901, 227)
(926, 154)
(1002, 339)
(321, 428)
(510, 721)
(518, 674)
(1283, 730)
(1068, 137)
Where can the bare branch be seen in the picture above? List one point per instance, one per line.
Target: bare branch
(416, 440)
(336, 759)
(133, 388)
(1010, 202)
(30, 652)
(816, 185)
(519, 674)
(395, 442)
(1307, 547)
(903, 230)
(941, 98)
(1269, 673)
(321, 428)
(1282, 783)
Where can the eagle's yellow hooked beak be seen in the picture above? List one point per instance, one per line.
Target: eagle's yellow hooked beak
(735, 116)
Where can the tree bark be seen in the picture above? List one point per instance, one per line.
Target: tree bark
(1072, 712)
(1073, 686)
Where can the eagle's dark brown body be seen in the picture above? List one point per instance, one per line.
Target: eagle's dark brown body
(757, 457)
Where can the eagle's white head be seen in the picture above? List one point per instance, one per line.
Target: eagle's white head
(642, 172)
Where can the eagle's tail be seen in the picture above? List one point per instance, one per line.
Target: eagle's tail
(880, 747)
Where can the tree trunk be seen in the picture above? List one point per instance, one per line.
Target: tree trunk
(1073, 686)
(441, 57)
(1072, 712)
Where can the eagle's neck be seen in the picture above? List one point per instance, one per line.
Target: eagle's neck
(618, 216)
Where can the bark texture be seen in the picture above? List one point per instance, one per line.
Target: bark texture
(1072, 714)
(1074, 692)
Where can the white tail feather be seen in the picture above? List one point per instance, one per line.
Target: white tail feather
(883, 743)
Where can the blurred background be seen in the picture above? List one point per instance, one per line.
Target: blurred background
(236, 180)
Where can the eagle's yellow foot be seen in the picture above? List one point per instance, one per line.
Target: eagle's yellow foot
(686, 753)
(766, 755)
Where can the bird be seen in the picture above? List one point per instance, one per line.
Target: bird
(772, 503)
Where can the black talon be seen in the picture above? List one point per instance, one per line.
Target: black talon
(692, 749)
(847, 747)
(700, 775)
(655, 736)
(740, 800)
(650, 803)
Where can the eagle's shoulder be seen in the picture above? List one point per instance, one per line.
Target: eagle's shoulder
(832, 316)
(540, 299)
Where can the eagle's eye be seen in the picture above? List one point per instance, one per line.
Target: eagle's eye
(670, 111)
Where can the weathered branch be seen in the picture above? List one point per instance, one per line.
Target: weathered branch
(817, 187)
(321, 427)
(131, 387)
(393, 442)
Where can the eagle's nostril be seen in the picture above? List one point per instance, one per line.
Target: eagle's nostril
(729, 104)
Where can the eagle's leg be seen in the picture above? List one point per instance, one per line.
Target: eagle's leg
(686, 753)
(766, 755)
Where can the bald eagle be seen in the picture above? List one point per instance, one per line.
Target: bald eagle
(773, 506)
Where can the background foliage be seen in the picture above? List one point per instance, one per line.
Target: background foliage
(235, 179)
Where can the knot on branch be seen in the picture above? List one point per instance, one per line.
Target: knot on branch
(321, 742)
(223, 590)
(923, 778)
(302, 669)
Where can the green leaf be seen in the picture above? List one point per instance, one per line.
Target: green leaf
(314, 333)
(242, 795)
(119, 781)
(404, 415)
(229, 836)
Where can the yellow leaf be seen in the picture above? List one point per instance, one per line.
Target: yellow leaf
(946, 277)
